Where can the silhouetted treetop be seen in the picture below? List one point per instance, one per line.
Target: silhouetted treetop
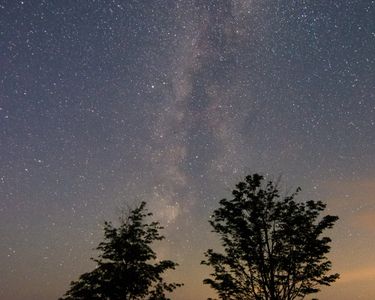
(126, 267)
(273, 248)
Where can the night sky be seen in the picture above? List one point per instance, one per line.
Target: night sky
(104, 104)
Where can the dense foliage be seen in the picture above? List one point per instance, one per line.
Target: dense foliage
(126, 268)
(272, 245)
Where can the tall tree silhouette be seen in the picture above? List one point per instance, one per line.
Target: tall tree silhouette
(272, 245)
(126, 268)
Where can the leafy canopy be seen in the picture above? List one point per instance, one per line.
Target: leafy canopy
(126, 268)
(272, 246)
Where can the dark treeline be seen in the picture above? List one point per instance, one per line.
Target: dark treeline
(273, 249)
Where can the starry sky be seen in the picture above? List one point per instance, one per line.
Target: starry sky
(104, 104)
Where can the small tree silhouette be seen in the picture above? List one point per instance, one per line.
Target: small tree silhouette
(126, 268)
(272, 249)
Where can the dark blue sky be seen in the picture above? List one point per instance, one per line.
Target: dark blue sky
(107, 103)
